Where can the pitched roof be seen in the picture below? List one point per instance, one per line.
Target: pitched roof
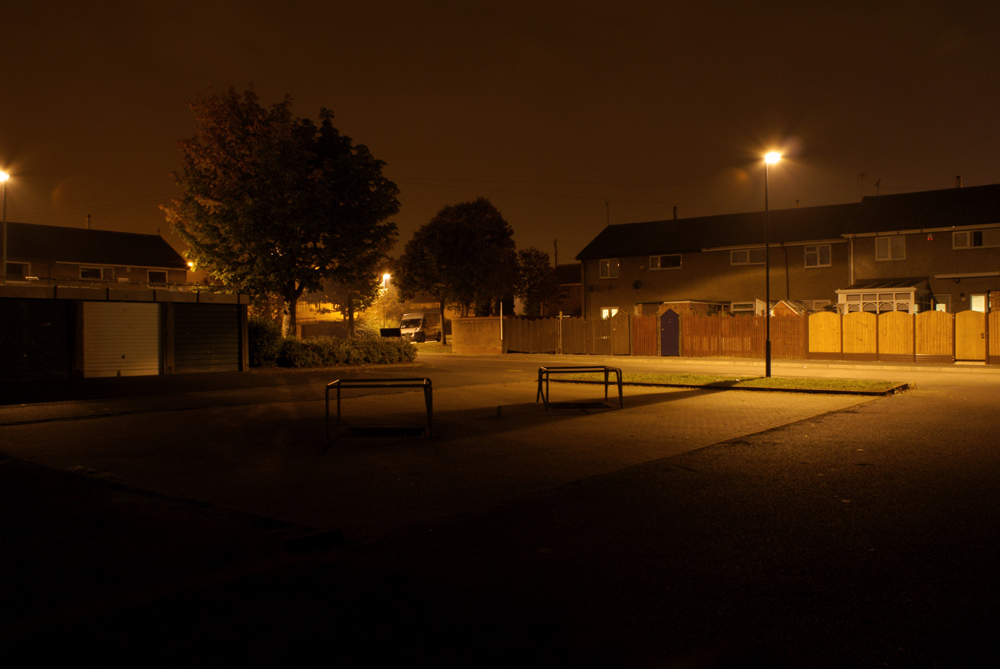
(98, 247)
(686, 235)
(976, 205)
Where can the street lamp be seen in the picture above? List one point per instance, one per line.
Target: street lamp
(3, 177)
(769, 159)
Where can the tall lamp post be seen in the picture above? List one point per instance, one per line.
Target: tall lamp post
(3, 270)
(769, 159)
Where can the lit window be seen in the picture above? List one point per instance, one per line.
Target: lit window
(608, 312)
(890, 248)
(672, 261)
(818, 256)
(609, 268)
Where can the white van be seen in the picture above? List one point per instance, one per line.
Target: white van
(421, 326)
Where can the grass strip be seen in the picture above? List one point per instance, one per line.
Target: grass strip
(773, 383)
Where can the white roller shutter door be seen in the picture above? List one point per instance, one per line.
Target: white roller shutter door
(121, 339)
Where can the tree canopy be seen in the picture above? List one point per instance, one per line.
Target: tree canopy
(465, 255)
(537, 281)
(274, 204)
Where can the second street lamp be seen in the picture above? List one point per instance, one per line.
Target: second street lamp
(3, 177)
(769, 159)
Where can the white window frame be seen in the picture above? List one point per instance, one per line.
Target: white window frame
(816, 250)
(608, 312)
(608, 268)
(656, 262)
(748, 257)
(975, 239)
(892, 250)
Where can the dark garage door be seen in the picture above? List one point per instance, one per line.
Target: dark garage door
(35, 338)
(206, 338)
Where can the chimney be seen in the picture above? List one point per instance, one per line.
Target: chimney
(958, 181)
(675, 212)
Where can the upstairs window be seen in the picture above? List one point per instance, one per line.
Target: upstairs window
(91, 273)
(818, 256)
(748, 257)
(609, 268)
(157, 277)
(972, 239)
(672, 261)
(890, 248)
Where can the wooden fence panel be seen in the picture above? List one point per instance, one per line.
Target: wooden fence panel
(895, 336)
(645, 335)
(935, 336)
(825, 335)
(599, 342)
(516, 335)
(993, 328)
(860, 336)
(700, 336)
(788, 337)
(574, 336)
(740, 336)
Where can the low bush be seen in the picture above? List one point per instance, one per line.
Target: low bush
(328, 352)
(264, 339)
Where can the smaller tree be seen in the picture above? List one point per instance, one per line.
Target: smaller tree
(537, 281)
(465, 255)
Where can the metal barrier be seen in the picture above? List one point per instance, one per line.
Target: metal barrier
(545, 372)
(381, 383)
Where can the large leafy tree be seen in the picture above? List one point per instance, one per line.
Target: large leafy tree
(274, 204)
(465, 255)
(538, 283)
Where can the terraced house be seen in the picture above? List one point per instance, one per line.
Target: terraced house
(908, 252)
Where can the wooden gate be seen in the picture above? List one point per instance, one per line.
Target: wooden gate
(670, 333)
(970, 335)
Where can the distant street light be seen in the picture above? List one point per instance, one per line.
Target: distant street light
(3, 177)
(769, 159)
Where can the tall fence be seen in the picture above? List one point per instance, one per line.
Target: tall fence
(931, 336)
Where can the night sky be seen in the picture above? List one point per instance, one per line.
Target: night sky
(564, 114)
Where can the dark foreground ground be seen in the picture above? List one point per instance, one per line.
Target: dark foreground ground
(865, 537)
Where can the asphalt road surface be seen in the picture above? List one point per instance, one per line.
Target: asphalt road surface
(861, 535)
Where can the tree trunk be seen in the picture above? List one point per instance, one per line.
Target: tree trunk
(350, 315)
(292, 323)
(444, 337)
(292, 295)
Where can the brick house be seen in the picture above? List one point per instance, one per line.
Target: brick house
(907, 252)
(54, 255)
